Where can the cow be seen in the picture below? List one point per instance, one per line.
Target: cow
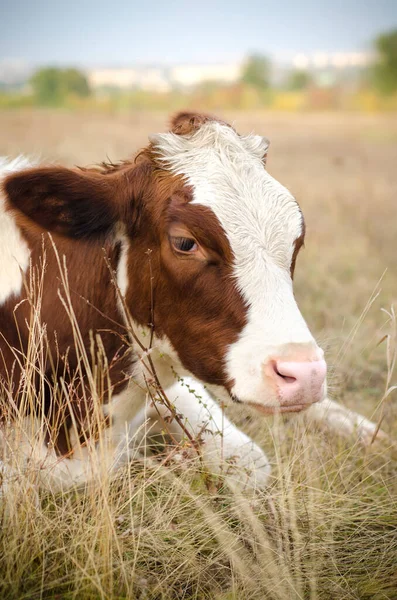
(172, 270)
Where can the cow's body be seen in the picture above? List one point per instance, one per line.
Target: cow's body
(249, 340)
(90, 289)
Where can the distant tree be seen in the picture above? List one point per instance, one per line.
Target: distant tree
(256, 71)
(298, 80)
(46, 84)
(75, 82)
(51, 85)
(385, 68)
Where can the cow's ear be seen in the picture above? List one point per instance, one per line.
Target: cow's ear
(186, 122)
(72, 202)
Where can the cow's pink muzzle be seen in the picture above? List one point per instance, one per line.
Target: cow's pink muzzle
(300, 382)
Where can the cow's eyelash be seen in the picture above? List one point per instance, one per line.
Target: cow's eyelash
(184, 244)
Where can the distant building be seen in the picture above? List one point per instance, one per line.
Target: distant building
(336, 60)
(161, 79)
(146, 78)
(192, 75)
(327, 69)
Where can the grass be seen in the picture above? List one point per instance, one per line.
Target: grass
(326, 528)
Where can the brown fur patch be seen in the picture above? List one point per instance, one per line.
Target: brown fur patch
(298, 244)
(185, 123)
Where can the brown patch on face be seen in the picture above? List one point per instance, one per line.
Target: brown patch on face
(196, 304)
(299, 242)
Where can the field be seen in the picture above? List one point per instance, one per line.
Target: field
(326, 528)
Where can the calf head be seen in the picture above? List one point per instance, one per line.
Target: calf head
(209, 244)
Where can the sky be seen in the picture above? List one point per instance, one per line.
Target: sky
(106, 32)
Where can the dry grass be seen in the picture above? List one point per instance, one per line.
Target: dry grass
(327, 526)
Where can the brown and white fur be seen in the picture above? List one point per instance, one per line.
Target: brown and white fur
(203, 243)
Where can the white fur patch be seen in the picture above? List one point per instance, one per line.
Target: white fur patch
(14, 251)
(261, 220)
(122, 267)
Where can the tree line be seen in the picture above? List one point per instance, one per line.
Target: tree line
(51, 86)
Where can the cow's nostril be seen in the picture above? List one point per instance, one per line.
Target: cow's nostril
(286, 378)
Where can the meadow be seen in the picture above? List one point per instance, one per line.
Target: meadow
(326, 528)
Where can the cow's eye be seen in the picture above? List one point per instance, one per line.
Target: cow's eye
(184, 244)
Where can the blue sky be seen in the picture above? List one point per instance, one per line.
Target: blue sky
(97, 32)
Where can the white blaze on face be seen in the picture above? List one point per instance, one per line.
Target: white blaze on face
(261, 220)
(14, 251)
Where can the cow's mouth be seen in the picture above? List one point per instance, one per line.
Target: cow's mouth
(274, 410)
